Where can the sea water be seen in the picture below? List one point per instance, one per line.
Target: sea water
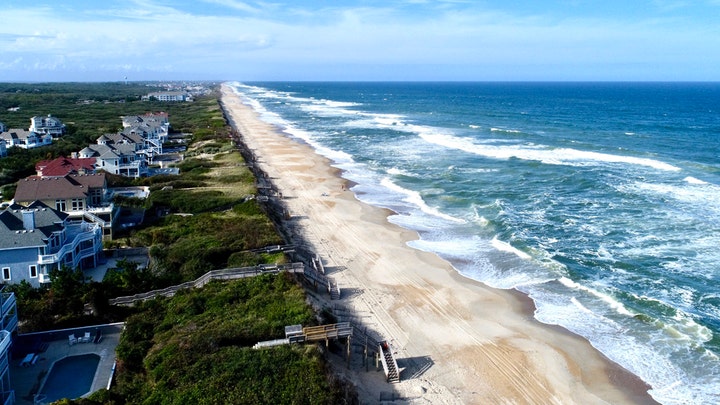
(601, 201)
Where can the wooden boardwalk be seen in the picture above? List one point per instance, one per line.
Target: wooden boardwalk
(342, 330)
(223, 274)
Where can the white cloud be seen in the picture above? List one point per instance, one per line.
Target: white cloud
(147, 36)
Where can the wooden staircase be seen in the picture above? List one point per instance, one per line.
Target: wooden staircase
(389, 364)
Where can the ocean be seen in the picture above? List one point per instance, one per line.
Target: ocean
(601, 201)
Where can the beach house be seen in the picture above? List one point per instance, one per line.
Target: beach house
(84, 197)
(21, 138)
(47, 125)
(37, 239)
(121, 159)
(168, 96)
(153, 128)
(130, 151)
(63, 166)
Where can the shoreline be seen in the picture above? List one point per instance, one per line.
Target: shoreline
(469, 343)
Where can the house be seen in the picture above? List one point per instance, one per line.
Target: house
(168, 96)
(84, 197)
(37, 239)
(121, 159)
(47, 125)
(8, 327)
(154, 128)
(21, 138)
(63, 166)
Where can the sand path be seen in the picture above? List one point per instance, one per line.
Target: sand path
(460, 341)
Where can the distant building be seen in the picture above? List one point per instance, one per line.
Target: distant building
(3, 148)
(168, 96)
(3, 128)
(37, 239)
(21, 138)
(47, 125)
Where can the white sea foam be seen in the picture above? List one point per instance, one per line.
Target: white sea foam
(693, 180)
(414, 198)
(508, 248)
(400, 172)
(545, 154)
(700, 194)
(453, 248)
(509, 131)
(612, 302)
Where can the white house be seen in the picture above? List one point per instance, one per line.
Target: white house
(21, 138)
(168, 96)
(47, 125)
(120, 159)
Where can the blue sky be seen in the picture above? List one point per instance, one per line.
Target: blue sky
(90, 40)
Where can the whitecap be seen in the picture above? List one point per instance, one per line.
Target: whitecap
(508, 248)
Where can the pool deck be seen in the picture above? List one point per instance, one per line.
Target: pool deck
(26, 379)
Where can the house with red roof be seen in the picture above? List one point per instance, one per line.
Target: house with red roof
(63, 166)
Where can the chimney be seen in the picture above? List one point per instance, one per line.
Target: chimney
(28, 219)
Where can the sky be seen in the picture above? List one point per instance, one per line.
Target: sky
(360, 40)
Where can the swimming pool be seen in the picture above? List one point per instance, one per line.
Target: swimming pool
(70, 377)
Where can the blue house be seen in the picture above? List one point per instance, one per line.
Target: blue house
(36, 239)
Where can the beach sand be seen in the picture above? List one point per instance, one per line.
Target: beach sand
(458, 340)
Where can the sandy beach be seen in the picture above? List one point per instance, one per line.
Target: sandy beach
(460, 341)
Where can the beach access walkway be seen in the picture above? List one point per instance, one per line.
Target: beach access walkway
(381, 352)
(222, 274)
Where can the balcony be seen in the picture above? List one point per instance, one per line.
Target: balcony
(5, 340)
(8, 302)
(82, 232)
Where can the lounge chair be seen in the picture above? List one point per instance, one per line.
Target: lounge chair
(86, 338)
(72, 339)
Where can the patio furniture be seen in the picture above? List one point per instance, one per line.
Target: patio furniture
(86, 338)
(72, 339)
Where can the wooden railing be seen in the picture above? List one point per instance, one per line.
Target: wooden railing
(223, 274)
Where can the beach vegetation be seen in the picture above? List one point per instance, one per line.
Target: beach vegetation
(196, 347)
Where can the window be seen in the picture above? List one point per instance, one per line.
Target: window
(33, 271)
(77, 204)
(6, 273)
(60, 205)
